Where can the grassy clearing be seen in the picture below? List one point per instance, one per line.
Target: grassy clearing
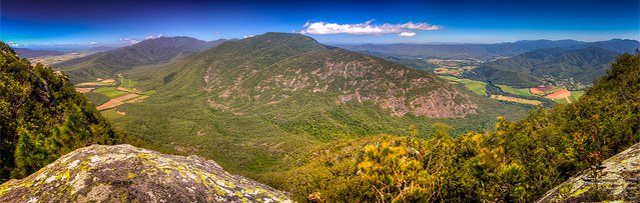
(112, 114)
(96, 98)
(127, 83)
(475, 86)
(517, 100)
(148, 92)
(560, 101)
(575, 95)
(516, 91)
(139, 97)
(110, 92)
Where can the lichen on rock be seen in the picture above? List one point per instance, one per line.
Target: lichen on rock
(617, 179)
(123, 173)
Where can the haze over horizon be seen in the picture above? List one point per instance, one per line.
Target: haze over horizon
(120, 23)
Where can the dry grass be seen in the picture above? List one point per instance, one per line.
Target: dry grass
(517, 100)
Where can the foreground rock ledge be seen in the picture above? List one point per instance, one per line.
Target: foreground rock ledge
(618, 179)
(124, 173)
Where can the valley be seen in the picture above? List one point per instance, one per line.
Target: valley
(265, 106)
(319, 102)
(278, 103)
(109, 93)
(455, 69)
(50, 60)
(301, 117)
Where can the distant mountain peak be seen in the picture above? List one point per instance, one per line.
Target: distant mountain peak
(272, 69)
(147, 52)
(283, 37)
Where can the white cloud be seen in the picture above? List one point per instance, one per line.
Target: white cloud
(366, 28)
(247, 36)
(407, 34)
(153, 37)
(93, 43)
(13, 44)
(130, 40)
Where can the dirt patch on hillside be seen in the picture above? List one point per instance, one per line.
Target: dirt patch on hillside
(84, 89)
(560, 94)
(116, 101)
(127, 90)
(540, 90)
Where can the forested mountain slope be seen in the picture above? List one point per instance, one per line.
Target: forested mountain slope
(273, 99)
(42, 117)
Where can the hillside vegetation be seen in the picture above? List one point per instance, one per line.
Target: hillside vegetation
(263, 105)
(516, 162)
(42, 117)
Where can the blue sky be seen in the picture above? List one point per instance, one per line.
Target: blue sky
(120, 22)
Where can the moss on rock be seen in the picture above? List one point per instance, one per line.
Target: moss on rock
(124, 173)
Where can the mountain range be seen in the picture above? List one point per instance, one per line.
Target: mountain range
(487, 51)
(272, 99)
(153, 51)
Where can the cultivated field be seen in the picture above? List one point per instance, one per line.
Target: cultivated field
(48, 60)
(560, 94)
(113, 93)
(516, 91)
(98, 83)
(475, 86)
(117, 101)
(517, 100)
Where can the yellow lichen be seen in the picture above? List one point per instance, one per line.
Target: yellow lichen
(580, 191)
(131, 175)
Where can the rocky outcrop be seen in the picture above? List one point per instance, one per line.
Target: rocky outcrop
(618, 178)
(124, 173)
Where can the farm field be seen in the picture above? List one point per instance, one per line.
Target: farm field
(516, 91)
(544, 90)
(475, 86)
(575, 95)
(517, 100)
(48, 60)
(127, 83)
(109, 93)
(99, 82)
